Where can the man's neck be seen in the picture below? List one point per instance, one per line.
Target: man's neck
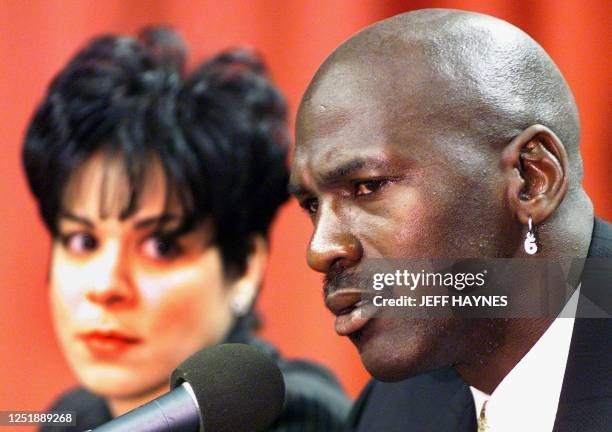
(566, 235)
(486, 371)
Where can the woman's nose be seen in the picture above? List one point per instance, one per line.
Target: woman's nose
(110, 284)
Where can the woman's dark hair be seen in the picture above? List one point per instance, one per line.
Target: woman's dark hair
(220, 133)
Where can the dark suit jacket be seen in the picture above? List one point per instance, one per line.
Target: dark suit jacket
(441, 401)
(314, 401)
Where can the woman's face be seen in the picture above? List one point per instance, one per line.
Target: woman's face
(129, 304)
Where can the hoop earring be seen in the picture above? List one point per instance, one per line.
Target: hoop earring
(530, 244)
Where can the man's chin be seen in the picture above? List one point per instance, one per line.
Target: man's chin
(390, 355)
(390, 369)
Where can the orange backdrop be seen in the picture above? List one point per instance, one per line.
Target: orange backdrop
(36, 39)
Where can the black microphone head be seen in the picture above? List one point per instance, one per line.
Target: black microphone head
(238, 387)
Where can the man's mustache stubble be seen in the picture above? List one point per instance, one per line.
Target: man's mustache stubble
(337, 279)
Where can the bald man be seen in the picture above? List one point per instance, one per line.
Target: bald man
(448, 134)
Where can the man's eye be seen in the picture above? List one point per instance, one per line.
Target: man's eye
(368, 187)
(157, 247)
(79, 243)
(310, 205)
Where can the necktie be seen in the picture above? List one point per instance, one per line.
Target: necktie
(482, 420)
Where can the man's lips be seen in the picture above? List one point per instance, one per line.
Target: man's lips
(353, 309)
(342, 301)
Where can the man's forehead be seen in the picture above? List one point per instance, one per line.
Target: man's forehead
(338, 89)
(431, 72)
(328, 157)
(332, 138)
(347, 98)
(354, 111)
(372, 91)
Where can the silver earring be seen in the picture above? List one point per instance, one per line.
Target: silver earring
(530, 244)
(239, 307)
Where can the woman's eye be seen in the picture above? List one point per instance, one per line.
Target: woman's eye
(368, 187)
(80, 243)
(157, 247)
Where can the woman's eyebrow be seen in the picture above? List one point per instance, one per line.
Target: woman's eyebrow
(76, 218)
(155, 220)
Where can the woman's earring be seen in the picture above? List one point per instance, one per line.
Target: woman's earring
(530, 244)
(239, 306)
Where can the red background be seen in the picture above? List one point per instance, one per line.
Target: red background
(37, 38)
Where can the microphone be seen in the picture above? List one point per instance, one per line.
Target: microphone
(224, 388)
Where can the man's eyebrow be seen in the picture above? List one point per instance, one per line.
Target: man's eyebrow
(338, 173)
(343, 170)
(349, 168)
(76, 218)
(155, 220)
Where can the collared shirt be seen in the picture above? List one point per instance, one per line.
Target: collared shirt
(527, 398)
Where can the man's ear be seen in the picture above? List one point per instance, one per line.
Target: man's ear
(536, 165)
(245, 288)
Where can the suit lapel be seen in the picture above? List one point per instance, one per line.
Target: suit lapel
(586, 396)
(437, 401)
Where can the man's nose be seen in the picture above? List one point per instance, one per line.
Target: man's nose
(111, 284)
(332, 243)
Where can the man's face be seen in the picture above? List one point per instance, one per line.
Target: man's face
(382, 174)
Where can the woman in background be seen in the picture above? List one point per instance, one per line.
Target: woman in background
(158, 190)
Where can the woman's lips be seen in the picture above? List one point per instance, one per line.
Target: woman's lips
(108, 343)
(353, 310)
